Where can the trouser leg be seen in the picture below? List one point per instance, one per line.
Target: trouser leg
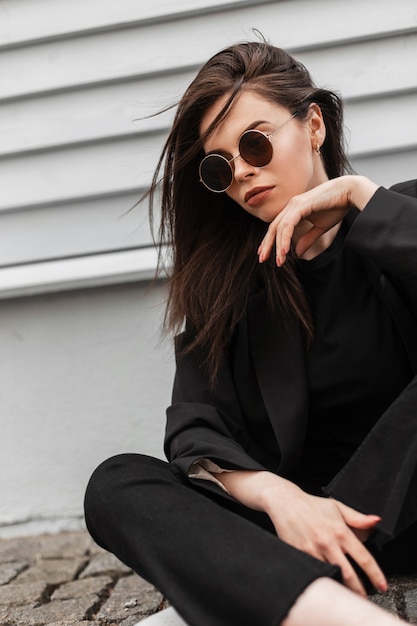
(214, 566)
(381, 477)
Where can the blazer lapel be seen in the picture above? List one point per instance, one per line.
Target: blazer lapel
(279, 360)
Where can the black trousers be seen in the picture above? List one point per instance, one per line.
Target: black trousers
(220, 563)
(208, 556)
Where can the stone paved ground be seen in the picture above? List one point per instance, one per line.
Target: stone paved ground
(63, 580)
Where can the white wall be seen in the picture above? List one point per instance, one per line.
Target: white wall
(83, 376)
(80, 375)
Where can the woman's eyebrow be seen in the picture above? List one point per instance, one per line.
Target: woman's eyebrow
(253, 125)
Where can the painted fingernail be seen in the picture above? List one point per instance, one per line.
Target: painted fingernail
(383, 587)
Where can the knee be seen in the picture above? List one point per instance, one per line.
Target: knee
(102, 479)
(107, 486)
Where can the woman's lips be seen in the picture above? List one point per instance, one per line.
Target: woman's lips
(257, 195)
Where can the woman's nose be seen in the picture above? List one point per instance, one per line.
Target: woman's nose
(243, 170)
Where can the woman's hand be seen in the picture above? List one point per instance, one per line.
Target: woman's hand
(327, 530)
(318, 209)
(321, 527)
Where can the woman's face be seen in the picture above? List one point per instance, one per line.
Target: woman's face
(295, 166)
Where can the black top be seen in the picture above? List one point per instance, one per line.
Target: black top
(351, 376)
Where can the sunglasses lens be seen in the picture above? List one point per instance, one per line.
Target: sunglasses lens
(216, 173)
(255, 148)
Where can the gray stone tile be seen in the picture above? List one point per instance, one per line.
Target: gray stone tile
(71, 544)
(78, 588)
(385, 601)
(53, 571)
(18, 595)
(9, 571)
(105, 563)
(402, 583)
(410, 598)
(19, 549)
(65, 545)
(133, 584)
(131, 596)
(62, 610)
(72, 623)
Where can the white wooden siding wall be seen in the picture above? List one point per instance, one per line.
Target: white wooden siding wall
(80, 375)
(75, 75)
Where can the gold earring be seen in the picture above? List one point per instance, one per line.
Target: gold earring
(318, 148)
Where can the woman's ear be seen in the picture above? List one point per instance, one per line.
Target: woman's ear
(316, 126)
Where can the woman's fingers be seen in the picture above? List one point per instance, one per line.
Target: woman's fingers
(281, 230)
(306, 241)
(356, 519)
(355, 548)
(360, 523)
(285, 233)
(325, 528)
(367, 563)
(350, 577)
(337, 554)
(268, 242)
(279, 234)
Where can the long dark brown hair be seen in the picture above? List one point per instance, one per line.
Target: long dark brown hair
(212, 240)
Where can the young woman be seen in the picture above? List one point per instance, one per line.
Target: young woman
(291, 485)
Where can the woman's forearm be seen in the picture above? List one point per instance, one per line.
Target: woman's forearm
(255, 489)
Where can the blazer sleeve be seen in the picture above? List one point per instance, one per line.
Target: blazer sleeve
(385, 232)
(205, 423)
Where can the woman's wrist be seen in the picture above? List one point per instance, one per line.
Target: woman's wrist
(259, 490)
(275, 488)
(361, 190)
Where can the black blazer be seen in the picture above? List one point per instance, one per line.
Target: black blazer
(256, 416)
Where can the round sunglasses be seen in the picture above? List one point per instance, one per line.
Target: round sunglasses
(255, 147)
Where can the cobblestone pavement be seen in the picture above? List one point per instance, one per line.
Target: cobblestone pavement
(65, 579)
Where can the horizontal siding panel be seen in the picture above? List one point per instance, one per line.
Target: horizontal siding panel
(92, 170)
(98, 58)
(105, 112)
(388, 169)
(81, 228)
(27, 20)
(363, 69)
(82, 273)
(120, 54)
(382, 125)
